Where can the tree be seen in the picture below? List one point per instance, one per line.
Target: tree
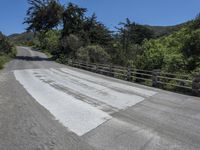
(191, 50)
(73, 18)
(43, 15)
(195, 22)
(82, 30)
(96, 32)
(131, 36)
(51, 41)
(131, 32)
(70, 45)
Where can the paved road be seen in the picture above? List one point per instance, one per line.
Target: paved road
(48, 106)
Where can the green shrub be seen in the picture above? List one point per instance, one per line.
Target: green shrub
(5, 46)
(7, 50)
(70, 44)
(93, 54)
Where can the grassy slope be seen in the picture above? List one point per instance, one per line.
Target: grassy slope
(166, 52)
(23, 38)
(6, 58)
(165, 30)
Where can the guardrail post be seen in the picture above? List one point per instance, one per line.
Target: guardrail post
(79, 64)
(87, 66)
(68, 62)
(72, 63)
(155, 78)
(111, 73)
(97, 68)
(128, 75)
(196, 85)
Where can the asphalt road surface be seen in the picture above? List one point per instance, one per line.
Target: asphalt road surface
(48, 106)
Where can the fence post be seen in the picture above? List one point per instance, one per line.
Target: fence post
(78, 64)
(111, 71)
(71, 62)
(128, 75)
(87, 66)
(68, 62)
(96, 69)
(155, 78)
(196, 85)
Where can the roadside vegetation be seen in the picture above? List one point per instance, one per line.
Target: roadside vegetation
(7, 50)
(26, 38)
(67, 33)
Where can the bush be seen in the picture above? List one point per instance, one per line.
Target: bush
(152, 57)
(3, 60)
(93, 54)
(71, 44)
(5, 46)
(191, 50)
(175, 53)
(7, 50)
(48, 41)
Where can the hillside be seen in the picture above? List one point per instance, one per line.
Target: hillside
(26, 37)
(23, 38)
(175, 52)
(166, 30)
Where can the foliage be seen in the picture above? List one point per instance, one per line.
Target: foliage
(43, 15)
(26, 38)
(81, 31)
(70, 44)
(93, 54)
(195, 23)
(176, 53)
(129, 42)
(6, 50)
(73, 18)
(191, 50)
(132, 32)
(85, 38)
(3, 59)
(50, 41)
(153, 56)
(96, 32)
(87, 29)
(5, 46)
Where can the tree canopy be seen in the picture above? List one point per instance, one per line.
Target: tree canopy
(43, 15)
(86, 38)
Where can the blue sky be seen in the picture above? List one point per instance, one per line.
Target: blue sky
(109, 12)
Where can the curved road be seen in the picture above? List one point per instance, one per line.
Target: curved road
(48, 106)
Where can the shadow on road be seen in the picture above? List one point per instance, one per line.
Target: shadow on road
(33, 58)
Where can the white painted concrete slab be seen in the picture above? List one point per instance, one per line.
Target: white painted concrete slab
(46, 87)
(78, 116)
(109, 83)
(94, 90)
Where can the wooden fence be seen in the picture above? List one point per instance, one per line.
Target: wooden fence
(186, 84)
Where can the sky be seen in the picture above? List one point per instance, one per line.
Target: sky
(109, 12)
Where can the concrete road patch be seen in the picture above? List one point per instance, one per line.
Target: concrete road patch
(62, 92)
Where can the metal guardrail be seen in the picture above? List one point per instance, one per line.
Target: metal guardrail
(186, 84)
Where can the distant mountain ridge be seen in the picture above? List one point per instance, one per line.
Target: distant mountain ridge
(166, 30)
(26, 37)
(21, 38)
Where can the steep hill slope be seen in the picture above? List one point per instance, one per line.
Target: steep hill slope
(23, 38)
(175, 52)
